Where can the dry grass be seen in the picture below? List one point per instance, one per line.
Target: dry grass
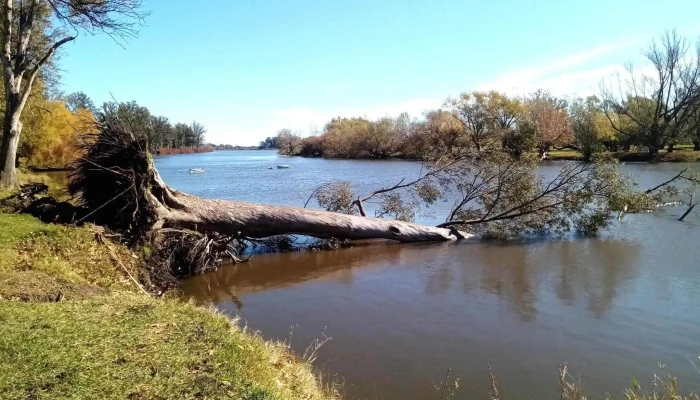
(662, 387)
(43, 261)
(565, 154)
(679, 155)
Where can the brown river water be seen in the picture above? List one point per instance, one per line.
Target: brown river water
(613, 307)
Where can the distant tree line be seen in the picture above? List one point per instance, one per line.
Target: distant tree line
(233, 147)
(157, 130)
(53, 128)
(650, 113)
(270, 142)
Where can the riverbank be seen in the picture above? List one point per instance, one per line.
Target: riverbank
(683, 154)
(184, 150)
(680, 155)
(76, 324)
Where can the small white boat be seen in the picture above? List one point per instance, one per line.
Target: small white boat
(196, 170)
(284, 166)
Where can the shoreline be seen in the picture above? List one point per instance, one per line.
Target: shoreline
(563, 155)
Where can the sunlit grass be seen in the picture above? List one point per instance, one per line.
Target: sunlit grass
(127, 346)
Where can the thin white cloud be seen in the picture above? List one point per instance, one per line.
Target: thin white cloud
(574, 74)
(577, 73)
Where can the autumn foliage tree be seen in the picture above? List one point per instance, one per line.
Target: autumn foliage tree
(589, 125)
(52, 134)
(289, 142)
(485, 116)
(549, 120)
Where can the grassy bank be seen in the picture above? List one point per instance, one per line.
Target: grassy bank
(132, 347)
(75, 324)
(679, 155)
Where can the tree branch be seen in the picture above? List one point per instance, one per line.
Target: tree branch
(498, 217)
(37, 67)
(680, 175)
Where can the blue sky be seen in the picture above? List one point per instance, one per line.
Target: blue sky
(246, 68)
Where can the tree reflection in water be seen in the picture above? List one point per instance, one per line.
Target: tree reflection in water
(593, 270)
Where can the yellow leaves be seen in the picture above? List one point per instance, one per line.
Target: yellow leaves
(51, 133)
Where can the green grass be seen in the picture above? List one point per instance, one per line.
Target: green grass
(74, 324)
(565, 154)
(683, 154)
(128, 346)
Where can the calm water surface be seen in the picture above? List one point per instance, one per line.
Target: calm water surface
(613, 307)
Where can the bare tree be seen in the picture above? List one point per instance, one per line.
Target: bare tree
(23, 20)
(654, 110)
(289, 142)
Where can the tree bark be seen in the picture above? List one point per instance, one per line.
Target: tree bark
(183, 211)
(12, 128)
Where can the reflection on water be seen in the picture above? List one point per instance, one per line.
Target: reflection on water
(590, 270)
(400, 314)
(613, 307)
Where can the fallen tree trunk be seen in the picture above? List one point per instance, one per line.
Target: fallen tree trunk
(180, 210)
(119, 182)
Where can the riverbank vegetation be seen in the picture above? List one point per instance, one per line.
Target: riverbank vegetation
(663, 387)
(636, 116)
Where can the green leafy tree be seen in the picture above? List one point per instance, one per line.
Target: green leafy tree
(198, 132)
(134, 116)
(183, 135)
(269, 143)
(77, 100)
(589, 125)
(162, 132)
